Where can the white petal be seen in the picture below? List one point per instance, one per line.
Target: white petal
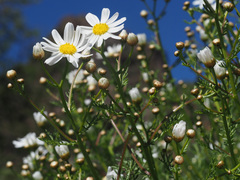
(92, 40)
(116, 29)
(100, 41)
(109, 35)
(116, 23)
(49, 48)
(73, 61)
(77, 36)
(53, 59)
(105, 15)
(57, 38)
(50, 42)
(68, 33)
(113, 18)
(92, 19)
(86, 30)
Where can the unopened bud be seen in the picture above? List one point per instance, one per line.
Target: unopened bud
(123, 35)
(216, 42)
(228, 6)
(220, 164)
(178, 160)
(103, 83)
(38, 52)
(11, 74)
(9, 164)
(91, 67)
(191, 133)
(144, 13)
(132, 39)
(179, 45)
(42, 80)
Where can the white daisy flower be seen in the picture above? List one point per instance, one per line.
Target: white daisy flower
(39, 118)
(30, 140)
(104, 28)
(70, 46)
(79, 78)
(200, 3)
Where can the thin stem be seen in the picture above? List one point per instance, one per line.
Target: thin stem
(72, 86)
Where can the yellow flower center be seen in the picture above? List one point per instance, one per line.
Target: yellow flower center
(67, 49)
(100, 29)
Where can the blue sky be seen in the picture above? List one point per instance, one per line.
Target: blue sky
(46, 14)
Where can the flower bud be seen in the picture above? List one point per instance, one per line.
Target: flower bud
(91, 67)
(167, 139)
(191, 133)
(144, 13)
(132, 39)
(9, 164)
(42, 80)
(135, 95)
(155, 110)
(206, 57)
(179, 45)
(178, 160)
(20, 80)
(11, 74)
(199, 123)
(62, 151)
(220, 164)
(123, 35)
(102, 71)
(177, 53)
(178, 131)
(157, 84)
(38, 52)
(103, 83)
(228, 6)
(10, 85)
(152, 90)
(216, 42)
(195, 91)
(220, 70)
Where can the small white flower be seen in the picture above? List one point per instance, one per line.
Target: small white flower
(179, 130)
(206, 57)
(62, 151)
(38, 52)
(135, 95)
(104, 28)
(87, 102)
(203, 35)
(39, 118)
(91, 81)
(142, 39)
(220, 69)
(72, 74)
(111, 174)
(30, 140)
(37, 175)
(113, 50)
(200, 3)
(71, 46)
(145, 77)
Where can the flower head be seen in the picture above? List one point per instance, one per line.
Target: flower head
(70, 46)
(79, 78)
(142, 39)
(39, 118)
(220, 69)
(104, 28)
(37, 175)
(38, 52)
(200, 3)
(206, 57)
(62, 151)
(135, 95)
(111, 174)
(30, 140)
(179, 130)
